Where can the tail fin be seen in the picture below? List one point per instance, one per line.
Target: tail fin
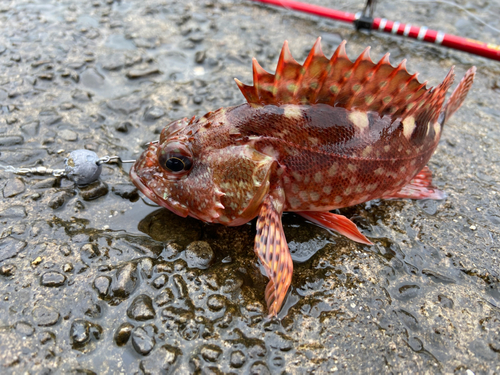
(458, 96)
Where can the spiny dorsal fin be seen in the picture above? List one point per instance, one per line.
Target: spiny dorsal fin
(361, 84)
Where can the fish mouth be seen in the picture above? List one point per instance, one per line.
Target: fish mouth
(148, 192)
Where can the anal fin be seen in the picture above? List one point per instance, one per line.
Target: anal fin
(272, 249)
(420, 187)
(338, 223)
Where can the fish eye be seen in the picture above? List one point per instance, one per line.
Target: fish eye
(177, 163)
(175, 158)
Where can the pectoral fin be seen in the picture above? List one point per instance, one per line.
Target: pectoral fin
(272, 249)
(420, 187)
(338, 223)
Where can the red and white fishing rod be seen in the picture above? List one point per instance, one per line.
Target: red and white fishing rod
(489, 50)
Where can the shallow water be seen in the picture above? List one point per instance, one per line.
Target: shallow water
(98, 280)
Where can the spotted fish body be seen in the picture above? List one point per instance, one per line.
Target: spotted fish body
(327, 134)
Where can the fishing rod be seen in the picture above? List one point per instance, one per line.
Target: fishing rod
(362, 21)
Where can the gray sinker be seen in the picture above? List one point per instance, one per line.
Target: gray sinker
(83, 167)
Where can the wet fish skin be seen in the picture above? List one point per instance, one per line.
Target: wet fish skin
(327, 134)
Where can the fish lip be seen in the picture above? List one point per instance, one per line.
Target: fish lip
(151, 194)
(140, 185)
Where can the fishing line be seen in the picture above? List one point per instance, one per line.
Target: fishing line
(456, 6)
(81, 166)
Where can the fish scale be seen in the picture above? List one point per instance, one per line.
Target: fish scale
(302, 158)
(327, 134)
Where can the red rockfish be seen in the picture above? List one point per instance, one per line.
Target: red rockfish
(311, 138)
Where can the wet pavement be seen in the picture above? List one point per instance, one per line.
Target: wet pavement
(96, 280)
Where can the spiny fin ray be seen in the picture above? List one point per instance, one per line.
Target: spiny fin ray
(288, 70)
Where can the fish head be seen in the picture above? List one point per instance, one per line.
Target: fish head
(198, 170)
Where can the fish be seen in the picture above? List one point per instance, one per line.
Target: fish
(311, 138)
